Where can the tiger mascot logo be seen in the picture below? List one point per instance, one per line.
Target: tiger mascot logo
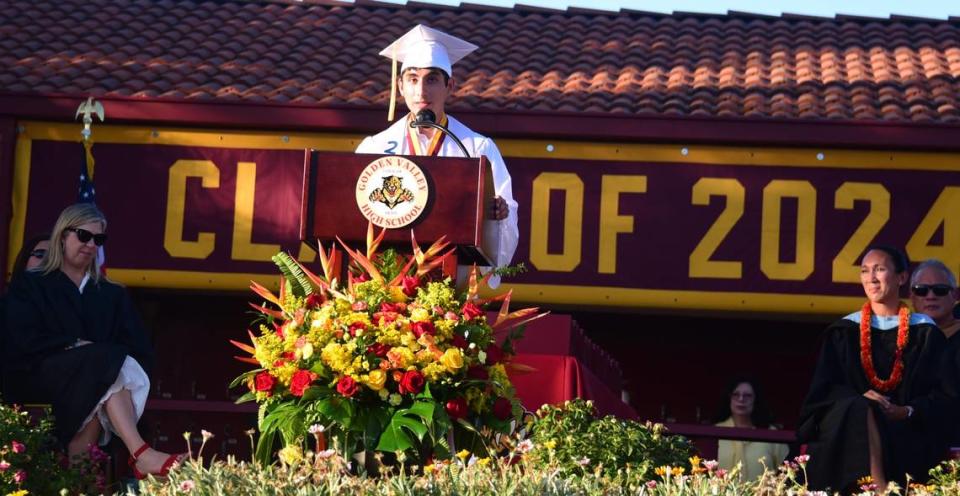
(392, 192)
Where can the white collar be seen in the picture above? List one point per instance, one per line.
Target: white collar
(83, 282)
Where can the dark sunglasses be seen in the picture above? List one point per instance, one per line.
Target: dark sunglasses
(84, 236)
(38, 253)
(938, 289)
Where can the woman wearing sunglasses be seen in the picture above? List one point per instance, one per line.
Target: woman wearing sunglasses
(874, 398)
(84, 344)
(30, 256)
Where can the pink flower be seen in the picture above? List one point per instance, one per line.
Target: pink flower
(4, 465)
(802, 459)
(20, 476)
(187, 485)
(451, 316)
(409, 285)
(710, 464)
(359, 306)
(652, 484)
(525, 446)
(721, 473)
(18, 447)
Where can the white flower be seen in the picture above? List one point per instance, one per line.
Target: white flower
(525, 446)
(187, 486)
(327, 453)
(316, 429)
(206, 434)
(583, 462)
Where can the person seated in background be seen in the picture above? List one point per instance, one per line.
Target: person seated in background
(875, 394)
(933, 291)
(743, 405)
(30, 256)
(83, 343)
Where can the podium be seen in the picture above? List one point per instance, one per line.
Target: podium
(459, 192)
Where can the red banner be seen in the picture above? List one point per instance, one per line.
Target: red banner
(606, 225)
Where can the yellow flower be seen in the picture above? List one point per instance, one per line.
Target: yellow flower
(21, 492)
(551, 444)
(306, 351)
(434, 372)
(677, 471)
(484, 461)
(661, 471)
(376, 379)
(452, 359)
(419, 315)
(291, 455)
(463, 455)
(694, 461)
(429, 469)
(864, 480)
(396, 294)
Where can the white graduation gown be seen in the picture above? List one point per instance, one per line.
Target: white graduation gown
(393, 141)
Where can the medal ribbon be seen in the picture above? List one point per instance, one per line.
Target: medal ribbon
(413, 141)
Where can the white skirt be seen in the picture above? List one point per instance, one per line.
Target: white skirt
(131, 377)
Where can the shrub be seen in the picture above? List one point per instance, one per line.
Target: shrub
(578, 442)
(30, 459)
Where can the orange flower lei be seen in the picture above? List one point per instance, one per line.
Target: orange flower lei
(866, 355)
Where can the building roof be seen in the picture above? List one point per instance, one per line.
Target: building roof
(531, 60)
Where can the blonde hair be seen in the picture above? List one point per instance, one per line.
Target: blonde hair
(73, 216)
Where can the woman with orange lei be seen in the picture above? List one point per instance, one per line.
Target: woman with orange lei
(875, 392)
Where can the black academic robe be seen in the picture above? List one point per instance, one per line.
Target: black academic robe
(833, 418)
(45, 315)
(950, 380)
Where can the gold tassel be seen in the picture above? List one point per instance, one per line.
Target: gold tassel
(88, 147)
(391, 113)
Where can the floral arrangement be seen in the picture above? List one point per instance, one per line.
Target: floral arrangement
(393, 361)
(31, 463)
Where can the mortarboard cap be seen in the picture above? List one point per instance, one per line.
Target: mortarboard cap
(424, 47)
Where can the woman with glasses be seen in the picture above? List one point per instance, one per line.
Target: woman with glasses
(872, 403)
(30, 256)
(743, 405)
(84, 344)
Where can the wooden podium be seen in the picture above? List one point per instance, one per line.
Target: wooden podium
(460, 194)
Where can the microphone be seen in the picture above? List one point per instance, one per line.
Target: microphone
(426, 118)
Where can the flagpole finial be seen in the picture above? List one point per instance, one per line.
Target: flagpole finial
(88, 109)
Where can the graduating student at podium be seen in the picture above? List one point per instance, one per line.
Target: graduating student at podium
(425, 81)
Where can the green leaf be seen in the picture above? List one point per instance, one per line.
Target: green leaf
(248, 396)
(395, 437)
(298, 282)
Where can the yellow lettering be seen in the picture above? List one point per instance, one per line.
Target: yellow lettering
(611, 222)
(173, 241)
(572, 186)
(845, 268)
(243, 246)
(700, 263)
(773, 195)
(946, 212)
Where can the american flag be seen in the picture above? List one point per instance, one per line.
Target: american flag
(86, 192)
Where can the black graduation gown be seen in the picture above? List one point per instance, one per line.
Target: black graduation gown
(833, 418)
(950, 379)
(46, 314)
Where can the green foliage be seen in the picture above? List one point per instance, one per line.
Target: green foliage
(297, 282)
(510, 270)
(582, 443)
(389, 263)
(30, 459)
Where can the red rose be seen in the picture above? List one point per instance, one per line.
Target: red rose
(494, 354)
(411, 382)
(279, 329)
(459, 341)
(457, 408)
(300, 381)
(378, 349)
(391, 307)
(421, 328)
(361, 278)
(289, 356)
(478, 373)
(471, 311)
(264, 381)
(347, 386)
(357, 326)
(502, 408)
(410, 285)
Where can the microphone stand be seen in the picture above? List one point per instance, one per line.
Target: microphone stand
(426, 118)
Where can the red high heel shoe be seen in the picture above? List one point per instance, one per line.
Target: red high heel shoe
(164, 469)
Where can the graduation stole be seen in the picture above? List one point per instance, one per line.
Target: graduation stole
(413, 141)
(866, 351)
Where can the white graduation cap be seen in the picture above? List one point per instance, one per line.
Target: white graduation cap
(423, 47)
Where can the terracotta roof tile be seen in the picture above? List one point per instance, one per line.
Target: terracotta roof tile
(531, 59)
